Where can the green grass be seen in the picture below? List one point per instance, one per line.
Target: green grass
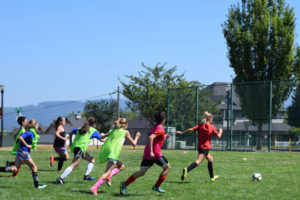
(280, 172)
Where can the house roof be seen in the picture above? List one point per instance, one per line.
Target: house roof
(139, 123)
(250, 127)
(71, 123)
(218, 90)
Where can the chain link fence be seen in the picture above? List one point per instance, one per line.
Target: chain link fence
(253, 116)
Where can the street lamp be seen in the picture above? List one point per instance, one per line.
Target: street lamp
(227, 113)
(2, 116)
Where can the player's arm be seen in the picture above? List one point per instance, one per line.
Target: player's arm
(219, 134)
(185, 131)
(151, 139)
(24, 142)
(133, 141)
(57, 134)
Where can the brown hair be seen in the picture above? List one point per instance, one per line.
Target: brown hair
(86, 127)
(57, 122)
(31, 124)
(121, 123)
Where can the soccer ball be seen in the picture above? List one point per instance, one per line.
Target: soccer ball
(256, 177)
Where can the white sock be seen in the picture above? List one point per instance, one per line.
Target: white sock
(66, 172)
(89, 168)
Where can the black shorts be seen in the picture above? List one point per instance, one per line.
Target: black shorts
(162, 161)
(203, 151)
(79, 154)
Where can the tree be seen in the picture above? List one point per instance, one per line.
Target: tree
(260, 41)
(104, 111)
(148, 91)
(293, 110)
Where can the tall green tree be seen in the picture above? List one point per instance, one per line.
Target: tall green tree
(293, 110)
(104, 111)
(260, 41)
(148, 91)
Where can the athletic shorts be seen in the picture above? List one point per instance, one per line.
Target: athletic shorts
(79, 154)
(203, 151)
(23, 155)
(162, 161)
(60, 150)
(115, 161)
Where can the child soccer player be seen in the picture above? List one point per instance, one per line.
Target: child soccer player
(21, 121)
(152, 154)
(59, 143)
(205, 131)
(110, 152)
(28, 140)
(82, 139)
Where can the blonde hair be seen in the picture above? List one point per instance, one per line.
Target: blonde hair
(121, 123)
(207, 116)
(31, 124)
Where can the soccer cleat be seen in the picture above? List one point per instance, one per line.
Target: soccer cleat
(41, 186)
(88, 178)
(214, 178)
(108, 182)
(184, 174)
(158, 189)
(59, 180)
(123, 189)
(94, 190)
(51, 160)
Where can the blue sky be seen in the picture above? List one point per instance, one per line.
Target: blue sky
(73, 49)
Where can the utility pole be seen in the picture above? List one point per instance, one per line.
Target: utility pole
(118, 101)
(2, 113)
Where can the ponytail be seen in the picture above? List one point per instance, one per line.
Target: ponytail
(207, 116)
(121, 123)
(57, 122)
(31, 124)
(86, 127)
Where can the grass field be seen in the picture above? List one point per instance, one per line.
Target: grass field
(280, 172)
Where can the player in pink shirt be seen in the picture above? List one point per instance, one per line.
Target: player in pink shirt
(152, 154)
(205, 132)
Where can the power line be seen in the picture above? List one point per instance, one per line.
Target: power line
(61, 104)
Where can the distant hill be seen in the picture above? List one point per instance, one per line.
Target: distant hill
(45, 112)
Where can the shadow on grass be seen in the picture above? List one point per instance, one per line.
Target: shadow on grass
(178, 182)
(127, 195)
(5, 176)
(4, 187)
(47, 170)
(65, 183)
(87, 192)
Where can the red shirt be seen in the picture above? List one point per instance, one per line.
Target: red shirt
(205, 132)
(157, 143)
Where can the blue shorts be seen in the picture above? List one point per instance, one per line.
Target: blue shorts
(23, 155)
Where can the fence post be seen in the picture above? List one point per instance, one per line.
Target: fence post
(196, 118)
(231, 114)
(270, 117)
(168, 109)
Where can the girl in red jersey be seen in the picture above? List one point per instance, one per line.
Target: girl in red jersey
(152, 154)
(205, 131)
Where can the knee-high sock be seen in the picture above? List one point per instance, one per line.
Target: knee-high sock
(35, 179)
(5, 169)
(89, 168)
(210, 169)
(99, 183)
(66, 173)
(115, 171)
(129, 180)
(14, 174)
(192, 166)
(160, 180)
(60, 160)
